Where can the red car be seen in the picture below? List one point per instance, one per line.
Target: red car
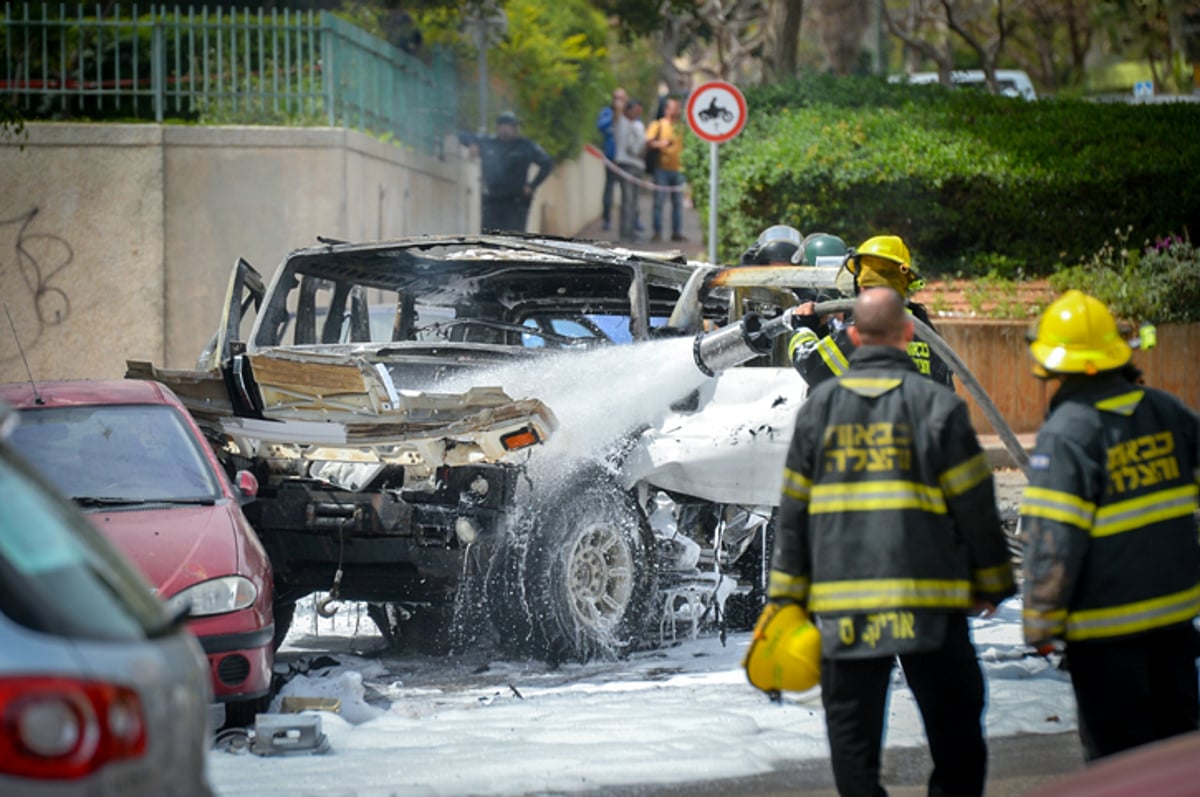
(131, 457)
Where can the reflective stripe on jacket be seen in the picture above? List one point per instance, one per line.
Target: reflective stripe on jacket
(888, 516)
(1108, 517)
(819, 358)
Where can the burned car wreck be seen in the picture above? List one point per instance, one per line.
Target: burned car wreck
(414, 411)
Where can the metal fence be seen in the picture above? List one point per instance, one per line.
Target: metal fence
(220, 67)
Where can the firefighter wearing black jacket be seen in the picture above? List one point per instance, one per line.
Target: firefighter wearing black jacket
(888, 535)
(1111, 560)
(881, 261)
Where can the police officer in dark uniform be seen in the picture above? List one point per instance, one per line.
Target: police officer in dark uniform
(883, 260)
(1111, 559)
(506, 158)
(888, 535)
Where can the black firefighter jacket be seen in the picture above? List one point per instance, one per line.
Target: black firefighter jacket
(1110, 535)
(888, 518)
(819, 358)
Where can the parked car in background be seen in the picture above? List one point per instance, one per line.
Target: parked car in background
(102, 691)
(1009, 82)
(131, 457)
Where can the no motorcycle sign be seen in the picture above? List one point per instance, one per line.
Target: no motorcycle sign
(716, 111)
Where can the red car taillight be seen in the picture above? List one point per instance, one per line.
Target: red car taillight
(62, 728)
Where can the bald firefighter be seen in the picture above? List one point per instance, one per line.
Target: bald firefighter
(1111, 560)
(888, 535)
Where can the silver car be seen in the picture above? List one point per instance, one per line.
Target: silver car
(102, 692)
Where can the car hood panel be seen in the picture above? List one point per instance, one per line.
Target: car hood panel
(731, 451)
(176, 546)
(344, 407)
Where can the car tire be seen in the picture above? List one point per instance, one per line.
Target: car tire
(283, 612)
(576, 579)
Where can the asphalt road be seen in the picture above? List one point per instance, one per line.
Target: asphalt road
(1016, 765)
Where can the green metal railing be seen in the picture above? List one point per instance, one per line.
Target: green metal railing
(220, 67)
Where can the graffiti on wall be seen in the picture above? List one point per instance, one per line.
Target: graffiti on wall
(29, 262)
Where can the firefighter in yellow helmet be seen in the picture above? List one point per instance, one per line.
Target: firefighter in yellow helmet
(888, 534)
(881, 261)
(1111, 560)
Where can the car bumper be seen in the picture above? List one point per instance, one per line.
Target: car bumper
(240, 664)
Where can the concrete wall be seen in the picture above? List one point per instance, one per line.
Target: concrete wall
(116, 241)
(81, 250)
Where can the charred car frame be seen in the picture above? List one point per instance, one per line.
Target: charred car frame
(359, 387)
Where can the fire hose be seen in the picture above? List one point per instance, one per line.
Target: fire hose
(752, 337)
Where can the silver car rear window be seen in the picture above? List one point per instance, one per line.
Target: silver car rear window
(58, 575)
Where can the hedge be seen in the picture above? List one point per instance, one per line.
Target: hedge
(969, 180)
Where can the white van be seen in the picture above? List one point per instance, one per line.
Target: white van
(1010, 82)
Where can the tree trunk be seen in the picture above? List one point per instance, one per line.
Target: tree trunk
(842, 25)
(782, 38)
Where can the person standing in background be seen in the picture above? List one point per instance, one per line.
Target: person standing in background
(507, 188)
(666, 136)
(630, 136)
(605, 123)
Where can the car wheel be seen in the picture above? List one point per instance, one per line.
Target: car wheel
(283, 612)
(577, 578)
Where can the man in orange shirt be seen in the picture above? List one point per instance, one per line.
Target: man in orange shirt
(666, 136)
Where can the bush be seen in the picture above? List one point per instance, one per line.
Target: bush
(1159, 282)
(963, 177)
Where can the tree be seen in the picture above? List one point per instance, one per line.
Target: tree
(549, 67)
(553, 59)
(921, 29)
(782, 36)
(1054, 43)
(985, 30)
(840, 27)
(1151, 30)
(984, 26)
(733, 47)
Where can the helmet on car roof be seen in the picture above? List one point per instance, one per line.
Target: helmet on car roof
(1077, 335)
(819, 246)
(776, 244)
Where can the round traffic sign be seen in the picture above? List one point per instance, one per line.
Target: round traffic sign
(716, 111)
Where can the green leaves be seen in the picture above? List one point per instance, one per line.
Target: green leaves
(961, 176)
(553, 61)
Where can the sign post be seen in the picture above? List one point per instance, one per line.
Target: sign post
(716, 111)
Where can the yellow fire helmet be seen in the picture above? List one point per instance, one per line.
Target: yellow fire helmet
(785, 653)
(879, 252)
(1077, 335)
